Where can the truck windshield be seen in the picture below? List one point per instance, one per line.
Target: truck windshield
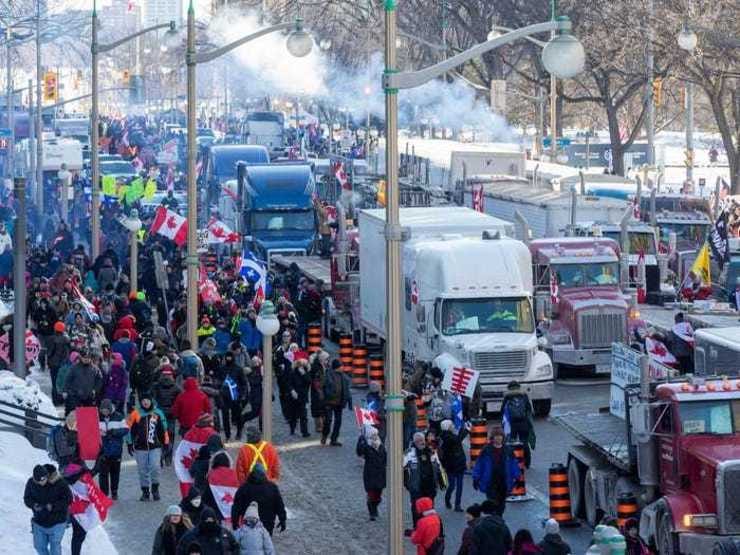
(584, 275)
(299, 220)
(695, 233)
(639, 241)
(513, 315)
(710, 417)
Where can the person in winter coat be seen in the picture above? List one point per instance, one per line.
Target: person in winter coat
(190, 404)
(219, 461)
(374, 401)
(337, 396)
(267, 495)
(83, 384)
(254, 381)
(57, 353)
(319, 363)
(491, 534)
(48, 496)
(428, 528)
(452, 456)
(165, 391)
(115, 382)
(174, 526)
(147, 436)
(234, 392)
(249, 335)
(192, 505)
(516, 408)
(222, 336)
(62, 445)
(126, 348)
(635, 545)
(440, 402)
(113, 430)
(495, 470)
(422, 474)
(257, 451)
(370, 447)
(472, 514)
(552, 543)
(210, 358)
(199, 468)
(202, 433)
(252, 536)
(298, 384)
(72, 473)
(212, 538)
(145, 371)
(191, 366)
(282, 360)
(524, 544)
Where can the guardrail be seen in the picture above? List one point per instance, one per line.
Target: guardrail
(32, 424)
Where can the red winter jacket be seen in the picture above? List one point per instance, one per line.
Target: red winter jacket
(190, 404)
(428, 527)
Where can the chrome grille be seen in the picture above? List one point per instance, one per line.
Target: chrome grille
(501, 363)
(600, 329)
(728, 497)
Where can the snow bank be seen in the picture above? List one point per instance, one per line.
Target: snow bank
(24, 393)
(18, 459)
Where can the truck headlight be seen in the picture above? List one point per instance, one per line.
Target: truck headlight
(545, 370)
(700, 521)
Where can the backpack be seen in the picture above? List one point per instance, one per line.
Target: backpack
(189, 367)
(517, 407)
(438, 545)
(330, 386)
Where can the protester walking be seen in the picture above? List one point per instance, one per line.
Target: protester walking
(113, 430)
(428, 536)
(257, 451)
(495, 470)
(371, 448)
(173, 527)
(422, 473)
(147, 437)
(267, 496)
(337, 396)
(252, 536)
(48, 496)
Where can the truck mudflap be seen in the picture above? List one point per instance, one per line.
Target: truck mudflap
(599, 358)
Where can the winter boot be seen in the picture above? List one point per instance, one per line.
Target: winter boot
(155, 492)
(144, 494)
(371, 510)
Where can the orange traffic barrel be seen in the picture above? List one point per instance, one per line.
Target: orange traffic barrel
(560, 509)
(314, 338)
(478, 437)
(421, 414)
(377, 373)
(359, 366)
(520, 486)
(345, 353)
(626, 508)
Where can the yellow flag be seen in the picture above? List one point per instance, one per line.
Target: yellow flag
(381, 192)
(150, 189)
(701, 265)
(109, 185)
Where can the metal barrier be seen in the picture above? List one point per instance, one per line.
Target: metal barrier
(34, 425)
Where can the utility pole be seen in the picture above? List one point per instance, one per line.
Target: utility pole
(94, 139)
(38, 122)
(31, 135)
(192, 244)
(9, 101)
(553, 98)
(689, 131)
(19, 280)
(650, 121)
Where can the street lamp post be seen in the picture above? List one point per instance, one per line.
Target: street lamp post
(19, 280)
(563, 57)
(687, 41)
(133, 224)
(299, 44)
(268, 325)
(96, 49)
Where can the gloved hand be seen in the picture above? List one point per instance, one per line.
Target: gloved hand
(48, 507)
(282, 526)
(294, 394)
(37, 507)
(130, 449)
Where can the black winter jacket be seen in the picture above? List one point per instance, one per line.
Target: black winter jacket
(165, 391)
(38, 498)
(491, 535)
(267, 495)
(221, 543)
(373, 473)
(451, 452)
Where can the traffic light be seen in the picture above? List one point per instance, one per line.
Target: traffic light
(51, 89)
(689, 159)
(658, 91)
(126, 77)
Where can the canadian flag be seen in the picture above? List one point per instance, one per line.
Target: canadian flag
(341, 176)
(659, 353)
(685, 332)
(554, 289)
(478, 199)
(89, 504)
(366, 416)
(171, 225)
(223, 483)
(208, 290)
(219, 232)
(187, 451)
(414, 292)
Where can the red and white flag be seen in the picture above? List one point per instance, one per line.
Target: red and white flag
(366, 416)
(636, 210)
(171, 225)
(341, 176)
(185, 454)
(478, 199)
(219, 232)
(659, 352)
(685, 331)
(460, 380)
(207, 288)
(89, 504)
(223, 483)
(554, 288)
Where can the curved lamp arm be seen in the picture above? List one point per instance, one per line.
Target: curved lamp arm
(102, 48)
(204, 57)
(540, 43)
(412, 79)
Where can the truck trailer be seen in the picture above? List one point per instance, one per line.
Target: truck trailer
(467, 292)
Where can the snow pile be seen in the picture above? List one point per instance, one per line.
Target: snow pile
(18, 459)
(24, 393)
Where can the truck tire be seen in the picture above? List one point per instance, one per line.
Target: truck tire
(667, 540)
(542, 407)
(592, 511)
(575, 487)
(727, 546)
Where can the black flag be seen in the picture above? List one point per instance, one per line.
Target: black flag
(719, 240)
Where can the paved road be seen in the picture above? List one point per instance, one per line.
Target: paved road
(323, 491)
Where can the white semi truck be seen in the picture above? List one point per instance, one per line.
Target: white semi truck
(466, 292)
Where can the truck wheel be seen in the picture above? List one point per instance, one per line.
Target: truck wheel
(575, 487)
(726, 547)
(591, 504)
(667, 541)
(542, 407)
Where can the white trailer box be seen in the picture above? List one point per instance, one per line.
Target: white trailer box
(484, 163)
(466, 292)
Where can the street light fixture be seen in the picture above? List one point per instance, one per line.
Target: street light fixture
(687, 39)
(560, 45)
(268, 325)
(325, 44)
(133, 224)
(299, 44)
